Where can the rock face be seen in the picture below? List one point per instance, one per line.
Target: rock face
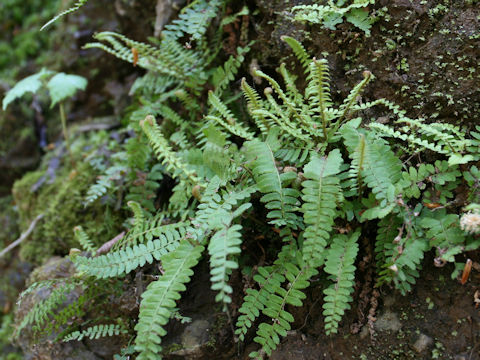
(39, 346)
(423, 54)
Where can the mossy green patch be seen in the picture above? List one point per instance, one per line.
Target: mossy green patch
(61, 201)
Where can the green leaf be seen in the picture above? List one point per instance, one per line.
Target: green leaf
(31, 84)
(456, 159)
(62, 86)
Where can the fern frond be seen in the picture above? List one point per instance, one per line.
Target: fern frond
(225, 74)
(74, 8)
(318, 91)
(388, 230)
(340, 265)
(269, 279)
(377, 165)
(84, 240)
(161, 240)
(192, 21)
(105, 182)
(40, 312)
(290, 111)
(230, 123)
(298, 274)
(282, 202)
(158, 301)
(164, 152)
(299, 51)
(138, 152)
(138, 213)
(224, 244)
(96, 332)
(144, 188)
(321, 193)
(330, 15)
(169, 59)
(387, 131)
(255, 103)
(346, 107)
(403, 264)
(444, 233)
(215, 210)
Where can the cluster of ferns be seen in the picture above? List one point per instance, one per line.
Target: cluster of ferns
(319, 172)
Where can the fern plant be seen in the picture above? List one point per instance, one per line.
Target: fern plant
(332, 14)
(307, 169)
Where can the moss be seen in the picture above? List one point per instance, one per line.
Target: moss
(62, 204)
(8, 221)
(172, 348)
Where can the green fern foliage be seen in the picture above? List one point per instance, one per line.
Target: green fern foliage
(84, 240)
(74, 8)
(330, 15)
(158, 301)
(340, 266)
(42, 310)
(281, 202)
(96, 332)
(275, 299)
(170, 58)
(193, 20)
(164, 152)
(321, 194)
(224, 244)
(374, 163)
(123, 261)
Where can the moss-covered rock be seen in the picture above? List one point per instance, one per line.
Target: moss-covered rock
(60, 198)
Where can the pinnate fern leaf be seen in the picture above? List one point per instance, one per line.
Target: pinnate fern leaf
(96, 332)
(321, 193)
(340, 265)
(163, 239)
(158, 301)
(84, 240)
(281, 202)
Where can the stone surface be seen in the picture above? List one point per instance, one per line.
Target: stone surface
(388, 321)
(422, 343)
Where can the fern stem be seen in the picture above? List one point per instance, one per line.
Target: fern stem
(360, 163)
(367, 76)
(63, 120)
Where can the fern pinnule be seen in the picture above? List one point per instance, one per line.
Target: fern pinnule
(158, 300)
